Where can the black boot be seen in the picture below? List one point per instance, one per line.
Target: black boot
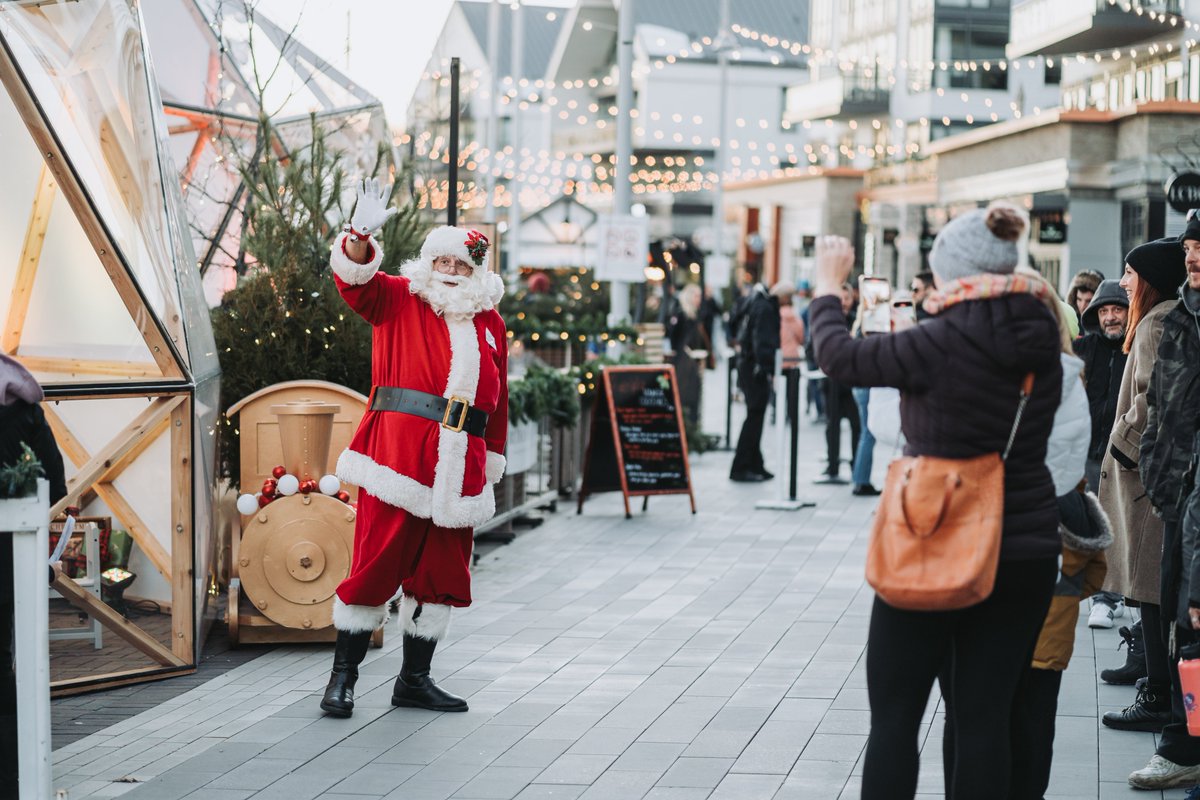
(1150, 712)
(1135, 658)
(414, 688)
(348, 653)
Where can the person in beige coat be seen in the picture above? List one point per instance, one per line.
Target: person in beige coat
(1153, 271)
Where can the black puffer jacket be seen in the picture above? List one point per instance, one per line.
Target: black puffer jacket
(1172, 408)
(1103, 365)
(960, 374)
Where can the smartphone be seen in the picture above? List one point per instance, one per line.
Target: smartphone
(875, 296)
(904, 315)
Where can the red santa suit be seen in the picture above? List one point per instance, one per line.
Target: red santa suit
(424, 486)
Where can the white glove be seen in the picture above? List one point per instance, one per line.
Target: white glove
(370, 209)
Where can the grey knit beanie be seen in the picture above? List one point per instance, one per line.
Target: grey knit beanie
(980, 241)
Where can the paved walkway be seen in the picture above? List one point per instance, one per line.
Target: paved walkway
(666, 657)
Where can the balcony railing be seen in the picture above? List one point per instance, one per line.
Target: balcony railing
(844, 96)
(1053, 27)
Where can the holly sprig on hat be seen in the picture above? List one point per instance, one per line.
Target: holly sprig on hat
(477, 247)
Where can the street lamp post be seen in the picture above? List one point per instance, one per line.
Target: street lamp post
(724, 45)
(493, 129)
(513, 234)
(622, 190)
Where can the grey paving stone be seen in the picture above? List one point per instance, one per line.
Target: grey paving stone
(533, 753)
(166, 787)
(377, 778)
(575, 768)
(701, 773)
(498, 783)
(551, 791)
(257, 773)
(654, 757)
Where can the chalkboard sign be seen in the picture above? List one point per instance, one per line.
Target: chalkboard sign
(637, 444)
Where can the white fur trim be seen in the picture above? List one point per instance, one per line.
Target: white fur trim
(356, 619)
(433, 623)
(447, 241)
(349, 271)
(495, 466)
(413, 496)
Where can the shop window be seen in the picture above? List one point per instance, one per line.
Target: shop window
(1142, 220)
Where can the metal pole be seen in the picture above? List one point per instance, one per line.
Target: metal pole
(513, 234)
(724, 45)
(452, 197)
(493, 128)
(622, 191)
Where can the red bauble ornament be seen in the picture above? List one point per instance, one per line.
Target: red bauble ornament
(270, 487)
(278, 472)
(263, 500)
(308, 486)
(344, 496)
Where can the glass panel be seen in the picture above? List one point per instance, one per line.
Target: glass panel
(85, 64)
(75, 328)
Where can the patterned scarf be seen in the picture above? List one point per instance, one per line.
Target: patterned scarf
(987, 286)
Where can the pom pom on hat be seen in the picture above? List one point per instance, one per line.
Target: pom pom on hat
(982, 241)
(468, 245)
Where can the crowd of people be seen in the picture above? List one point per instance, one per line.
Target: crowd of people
(1100, 497)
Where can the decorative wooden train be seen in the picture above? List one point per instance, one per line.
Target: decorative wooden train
(290, 553)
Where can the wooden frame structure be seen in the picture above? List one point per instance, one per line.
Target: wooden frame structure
(166, 396)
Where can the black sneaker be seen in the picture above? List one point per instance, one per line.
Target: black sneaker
(864, 490)
(1150, 712)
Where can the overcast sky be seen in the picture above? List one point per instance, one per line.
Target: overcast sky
(381, 44)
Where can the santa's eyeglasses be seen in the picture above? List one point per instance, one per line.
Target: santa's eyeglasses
(450, 264)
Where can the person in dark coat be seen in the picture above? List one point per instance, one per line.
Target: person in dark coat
(758, 341)
(22, 422)
(1166, 459)
(841, 405)
(1103, 354)
(959, 375)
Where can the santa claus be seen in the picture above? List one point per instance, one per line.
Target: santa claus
(429, 448)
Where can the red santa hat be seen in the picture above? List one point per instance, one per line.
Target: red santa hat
(468, 245)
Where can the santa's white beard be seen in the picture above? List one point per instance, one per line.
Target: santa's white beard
(453, 295)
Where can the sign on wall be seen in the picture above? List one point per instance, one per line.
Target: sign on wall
(624, 243)
(1183, 191)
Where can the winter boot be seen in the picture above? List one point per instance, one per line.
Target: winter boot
(348, 653)
(1135, 658)
(1150, 712)
(414, 688)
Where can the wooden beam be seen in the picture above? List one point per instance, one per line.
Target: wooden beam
(66, 687)
(121, 509)
(89, 220)
(111, 459)
(156, 554)
(83, 366)
(193, 159)
(94, 607)
(27, 264)
(183, 590)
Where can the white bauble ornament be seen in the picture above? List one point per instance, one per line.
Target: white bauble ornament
(288, 485)
(330, 485)
(247, 504)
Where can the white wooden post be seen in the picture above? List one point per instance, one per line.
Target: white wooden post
(26, 521)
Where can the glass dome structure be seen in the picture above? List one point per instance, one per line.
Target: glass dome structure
(221, 67)
(101, 300)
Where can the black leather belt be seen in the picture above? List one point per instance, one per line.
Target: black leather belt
(452, 413)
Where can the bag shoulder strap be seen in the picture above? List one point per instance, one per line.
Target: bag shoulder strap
(1026, 390)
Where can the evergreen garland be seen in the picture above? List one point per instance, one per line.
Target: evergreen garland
(19, 479)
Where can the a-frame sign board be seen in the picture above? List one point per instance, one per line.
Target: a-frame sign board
(637, 444)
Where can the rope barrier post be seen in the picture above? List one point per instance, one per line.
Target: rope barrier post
(730, 390)
(785, 458)
(793, 405)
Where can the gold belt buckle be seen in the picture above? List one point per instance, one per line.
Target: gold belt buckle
(462, 417)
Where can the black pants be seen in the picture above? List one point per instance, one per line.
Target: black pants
(1032, 734)
(1154, 633)
(1174, 744)
(8, 680)
(981, 653)
(839, 405)
(757, 391)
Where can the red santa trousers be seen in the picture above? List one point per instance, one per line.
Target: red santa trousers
(393, 548)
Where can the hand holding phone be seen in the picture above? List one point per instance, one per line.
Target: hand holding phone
(875, 296)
